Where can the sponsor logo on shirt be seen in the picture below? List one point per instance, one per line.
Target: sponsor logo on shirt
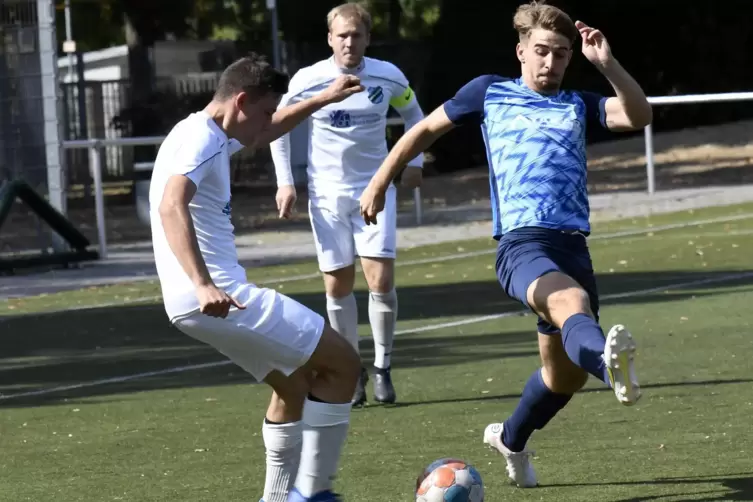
(342, 119)
(227, 209)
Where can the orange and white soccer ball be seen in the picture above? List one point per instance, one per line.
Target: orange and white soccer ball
(449, 480)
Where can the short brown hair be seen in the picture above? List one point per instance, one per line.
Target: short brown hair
(537, 14)
(351, 11)
(253, 75)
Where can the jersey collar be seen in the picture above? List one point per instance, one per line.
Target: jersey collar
(553, 97)
(349, 71)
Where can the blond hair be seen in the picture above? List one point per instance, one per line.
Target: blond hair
(537, 15)
(352, 12)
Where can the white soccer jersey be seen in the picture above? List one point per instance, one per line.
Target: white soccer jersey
(347, 139)
(197, 148)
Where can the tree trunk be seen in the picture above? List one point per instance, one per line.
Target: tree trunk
(141, 76)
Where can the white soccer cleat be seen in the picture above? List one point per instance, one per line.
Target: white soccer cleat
(619, 354)
(519, 467)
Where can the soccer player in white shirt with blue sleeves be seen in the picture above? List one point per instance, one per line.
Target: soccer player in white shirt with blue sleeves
(346, 147)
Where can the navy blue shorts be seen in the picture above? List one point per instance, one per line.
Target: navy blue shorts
(525, 254)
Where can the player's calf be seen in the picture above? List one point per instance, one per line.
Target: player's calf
(566, 306)
(282, 432)
(326, 415)
(383, 307)
(558, 372)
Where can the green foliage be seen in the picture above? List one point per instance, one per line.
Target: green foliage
(98, 24)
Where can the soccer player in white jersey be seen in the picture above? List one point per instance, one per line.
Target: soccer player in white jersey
(346, 146)
(311, 368)
(535, 136)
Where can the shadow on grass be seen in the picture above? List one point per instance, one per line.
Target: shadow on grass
(133, 348)
(733, 487)
(516, 396)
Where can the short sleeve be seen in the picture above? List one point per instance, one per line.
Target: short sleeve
(194, 159)
(234, 146)
(467, 106)
(596, 114)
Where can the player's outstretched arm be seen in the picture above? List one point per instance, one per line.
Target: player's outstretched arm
(415, 141)
(181, 237)
(629, 109)
(287, 117)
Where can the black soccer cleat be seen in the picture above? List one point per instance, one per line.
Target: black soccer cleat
(384, 391)
(359, 396)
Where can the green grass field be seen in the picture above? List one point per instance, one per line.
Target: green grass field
(107, 403)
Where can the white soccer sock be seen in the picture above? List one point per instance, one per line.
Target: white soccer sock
(383, 318)
(283, 444)
(343, 316)
(324, 432)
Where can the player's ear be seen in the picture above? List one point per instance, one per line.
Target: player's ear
(329, 39)
(519, 52)
(240, 100)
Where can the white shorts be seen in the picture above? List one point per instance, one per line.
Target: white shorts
(273, 332)
(340, 234)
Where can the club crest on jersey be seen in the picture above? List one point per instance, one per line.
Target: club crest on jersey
(376, 94)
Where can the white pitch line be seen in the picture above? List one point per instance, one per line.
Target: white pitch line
(422, 329)
(408, 263)
(120, 379)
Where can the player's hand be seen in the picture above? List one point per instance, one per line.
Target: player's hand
(412, 177)
(343, 87)
(285, 199)
(595, 46)
(214, 302)
(372, 203)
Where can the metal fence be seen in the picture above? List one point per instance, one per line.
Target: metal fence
(90, 110)
(93, 147)
(22, 145)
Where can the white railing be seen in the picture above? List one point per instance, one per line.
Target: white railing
(678, 100)
(94, 145)
(95, 166)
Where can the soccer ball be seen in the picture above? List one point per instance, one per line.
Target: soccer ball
(449, 480)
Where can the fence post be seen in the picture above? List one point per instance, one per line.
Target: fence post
(650, 172)
(417, 204)
(95, 165)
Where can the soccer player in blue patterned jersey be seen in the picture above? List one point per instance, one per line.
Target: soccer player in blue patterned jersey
(535, 138)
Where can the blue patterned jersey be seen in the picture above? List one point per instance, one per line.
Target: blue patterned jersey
(536, 148)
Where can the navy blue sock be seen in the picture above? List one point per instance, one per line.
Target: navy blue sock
(584, 343)
(536, 408)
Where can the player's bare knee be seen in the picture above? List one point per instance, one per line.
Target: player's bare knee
(347, 360)
(289, 391)
(339, 283)
(379, 274)
(567, 302)
(335, 358)
(557, 296)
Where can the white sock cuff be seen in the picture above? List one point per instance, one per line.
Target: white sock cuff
(282, 434)
(387, 300)
(341, 303)
(318, 414)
